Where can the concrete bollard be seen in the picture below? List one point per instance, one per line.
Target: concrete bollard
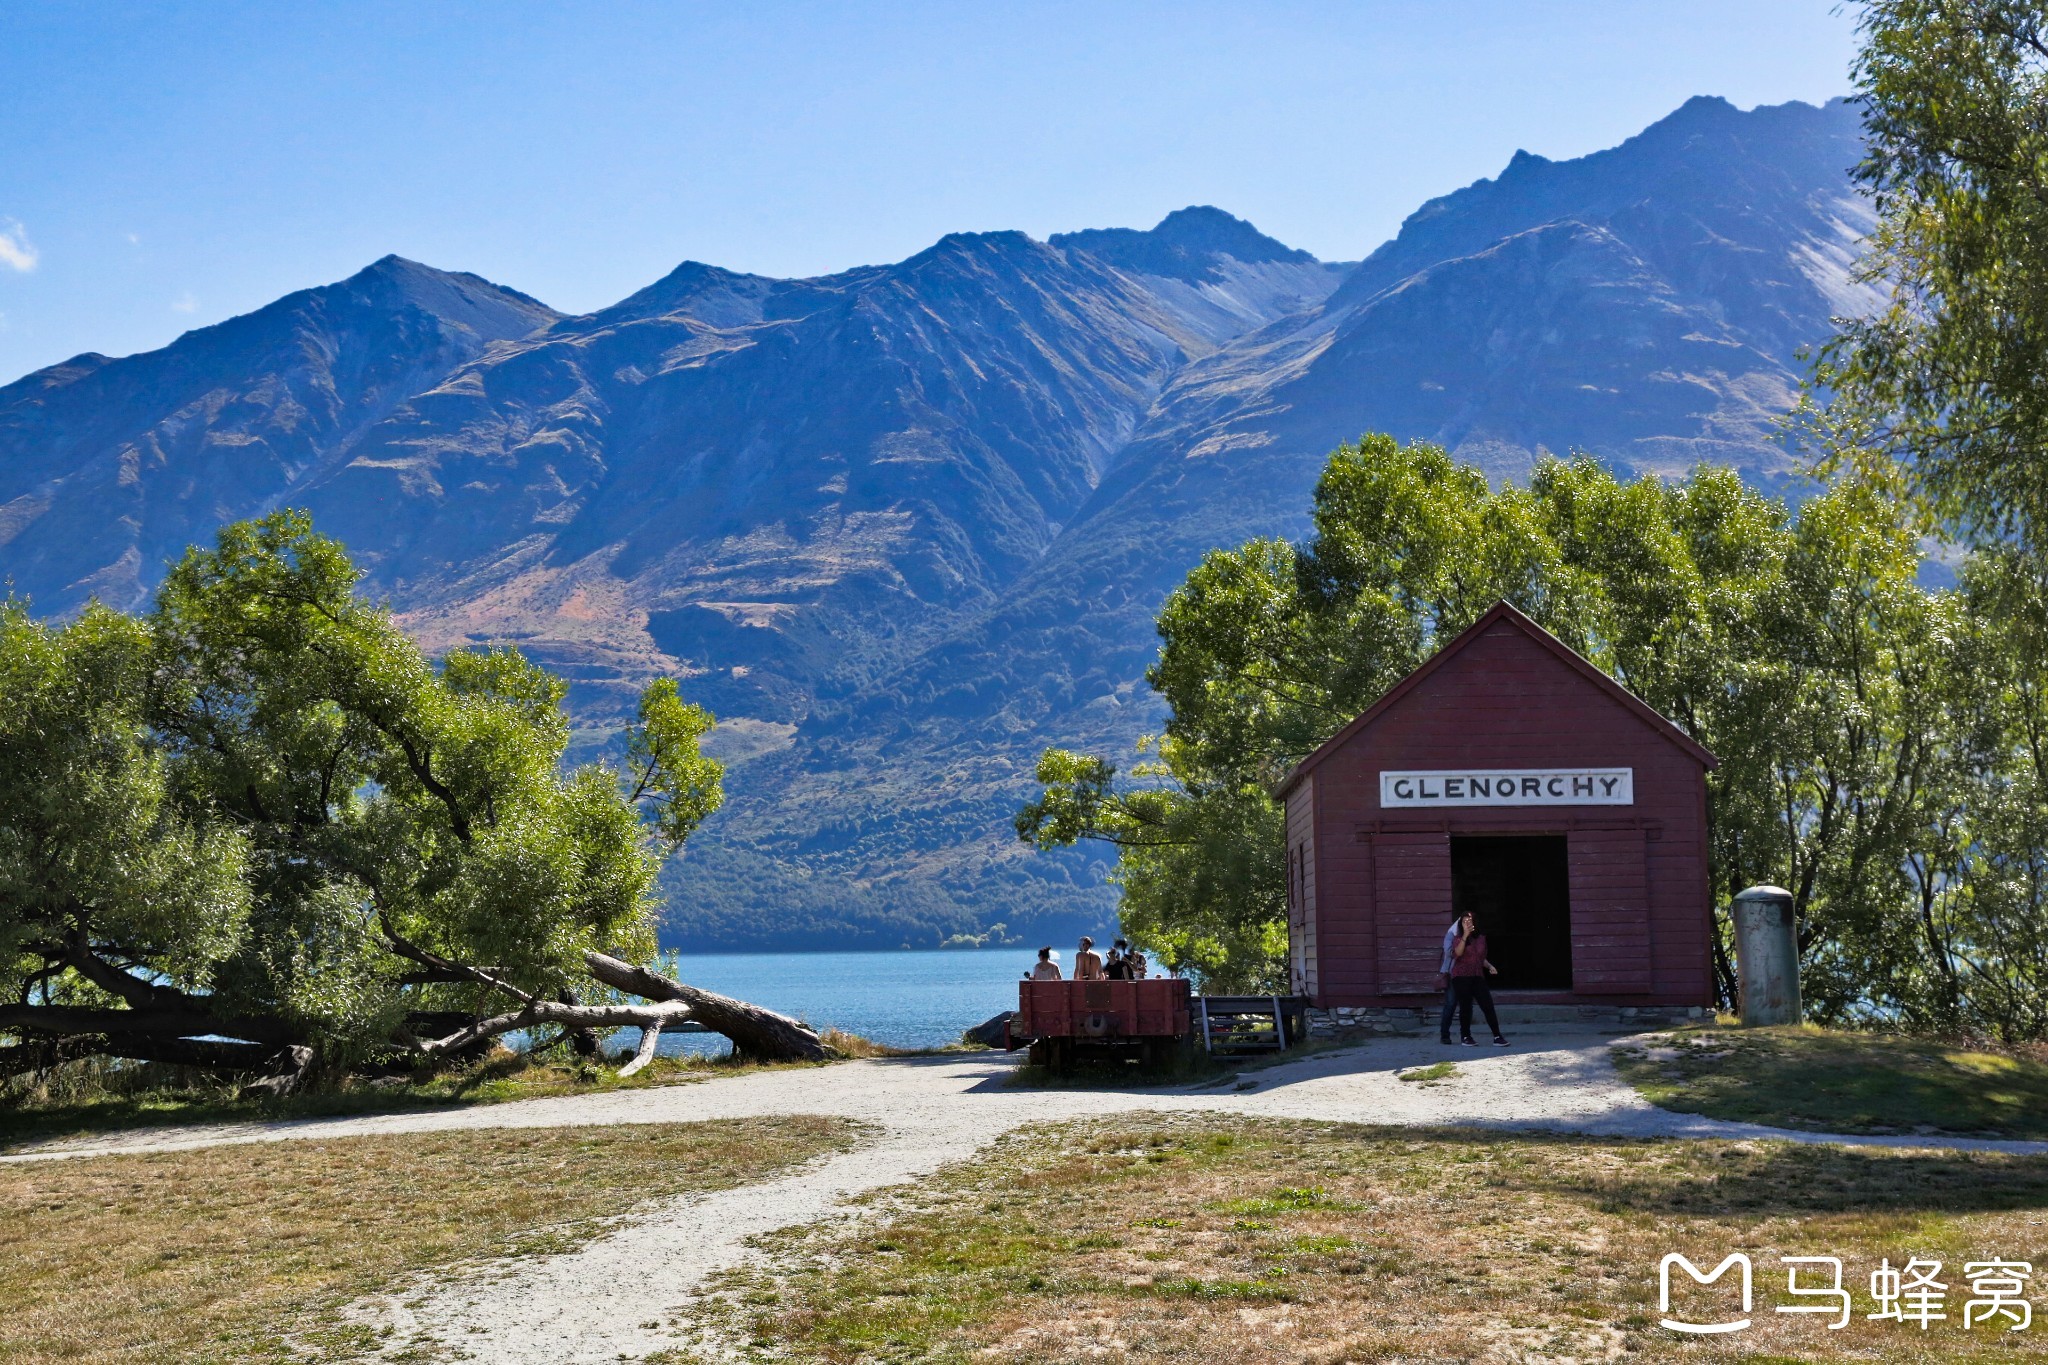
(1767, 956)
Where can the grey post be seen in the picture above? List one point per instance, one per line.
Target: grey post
(1767, 956)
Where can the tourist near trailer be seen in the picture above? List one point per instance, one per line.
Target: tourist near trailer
(1155, 1021)
(1118, 1012)
(1509, 777)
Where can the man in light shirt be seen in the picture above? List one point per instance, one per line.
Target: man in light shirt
(1443, 1023)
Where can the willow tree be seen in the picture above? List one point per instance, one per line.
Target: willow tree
(258, 827)
(1947, 378)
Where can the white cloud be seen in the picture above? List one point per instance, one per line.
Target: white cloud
(134, 239)
(15, 251)
(185, 303)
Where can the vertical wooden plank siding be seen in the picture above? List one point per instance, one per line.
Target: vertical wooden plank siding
(1611, 949)
(1411, 906)
(1370, 888)
(1301, 888)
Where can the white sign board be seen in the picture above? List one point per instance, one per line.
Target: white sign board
(1510, 787)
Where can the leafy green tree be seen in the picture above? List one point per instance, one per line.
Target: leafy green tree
(262, 813)
(1947, 378)
(103, 870)
(1916, 749)
(1863, 761)
(1970, 944)
(1200, 863)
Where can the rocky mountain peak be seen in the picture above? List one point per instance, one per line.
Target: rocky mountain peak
(110, 468)
(1766, 162)
(974, 246)
(708, 293)
(1187, 244)
(392, 283)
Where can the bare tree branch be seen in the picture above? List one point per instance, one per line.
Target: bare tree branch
(650, 1036)
(548, 1012)
(754, 1031)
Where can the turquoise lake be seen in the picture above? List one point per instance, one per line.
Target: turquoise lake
(904, 999)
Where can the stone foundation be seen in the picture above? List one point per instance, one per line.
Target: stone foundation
(1619, 1018)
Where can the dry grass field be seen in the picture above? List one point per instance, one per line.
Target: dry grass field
(1204, 1240)
(228, 1254)
(75, 1110)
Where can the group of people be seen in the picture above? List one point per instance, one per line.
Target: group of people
(1463, 976)
(1124, 963)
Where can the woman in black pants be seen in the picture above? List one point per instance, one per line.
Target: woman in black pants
(1469, 970)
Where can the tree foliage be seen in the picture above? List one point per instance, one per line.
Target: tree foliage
(1878, 740)
(259, 817)
(1950, 379)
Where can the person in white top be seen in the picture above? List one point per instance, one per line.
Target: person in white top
(1048, 968)
(1443, 978)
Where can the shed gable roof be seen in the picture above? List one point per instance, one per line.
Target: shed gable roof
(1571, 658)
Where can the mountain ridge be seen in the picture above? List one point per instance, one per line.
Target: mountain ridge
(904, 524)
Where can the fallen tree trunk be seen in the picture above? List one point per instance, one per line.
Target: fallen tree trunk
(755, 1032)
(149, 1021)
(43, 1054)
(549, 1012)
(159, 1024)
(281, 1068)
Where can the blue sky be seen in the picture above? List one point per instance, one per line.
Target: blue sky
(167, 165)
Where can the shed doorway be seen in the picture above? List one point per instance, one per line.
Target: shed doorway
(1519, 887)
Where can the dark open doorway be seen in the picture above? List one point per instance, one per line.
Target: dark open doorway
(1519, 887)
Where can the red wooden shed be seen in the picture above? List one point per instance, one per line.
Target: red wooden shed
(1510, 777)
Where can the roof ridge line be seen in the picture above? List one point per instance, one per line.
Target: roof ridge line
(1504, 610)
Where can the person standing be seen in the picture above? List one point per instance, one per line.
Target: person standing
(1443, 979)
(1118, 966)
(1087, 962)
(1469, 970)
(1048, 968)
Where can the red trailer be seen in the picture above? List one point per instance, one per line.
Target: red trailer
(1058, 1020)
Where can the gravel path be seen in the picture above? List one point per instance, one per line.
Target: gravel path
(607, 1301)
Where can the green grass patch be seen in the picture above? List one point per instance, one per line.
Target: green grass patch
(1434, 1073)
(1287, 1199)
(1840, 1082)
(1215, 1241)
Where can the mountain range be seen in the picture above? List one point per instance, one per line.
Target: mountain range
(905, 525)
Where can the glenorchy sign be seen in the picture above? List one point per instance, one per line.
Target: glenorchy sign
(1510, 787)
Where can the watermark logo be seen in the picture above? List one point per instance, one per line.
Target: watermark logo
(1701, 1328)
(1913, 1294)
